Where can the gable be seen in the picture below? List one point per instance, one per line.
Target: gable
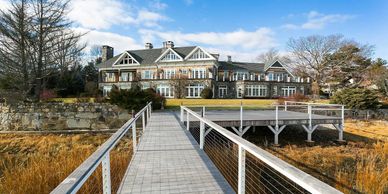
(126, 59)
(279, 65)
(169, 55)
(199, 54)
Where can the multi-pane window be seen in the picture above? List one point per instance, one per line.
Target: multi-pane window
(110, 77)
(147, 74)
(198, 73)
(145, 85)
(275, 91)
(241, 75)
(222, 91)
(169, 73)
(126, 76)
(256, 91)
(288, 90)
(199, 55)
(194, 90)
(302, 90)
(127, 60)
(170, 56)
(276, 76)
(106, 90)
(166, 91)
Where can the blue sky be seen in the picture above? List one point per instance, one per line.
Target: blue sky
(242, 29)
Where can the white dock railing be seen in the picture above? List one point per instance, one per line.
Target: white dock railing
(248, 168)
(79, 176)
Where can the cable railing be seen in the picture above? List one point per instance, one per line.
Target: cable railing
(91, 177)
(246, 167)
(313, 115)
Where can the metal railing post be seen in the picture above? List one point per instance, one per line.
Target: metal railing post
(277, 117)
(310, 116)
(241, 170)
(134, 140)
(203, 111)
(182, 114)
(340, 135)
(106, 182)
(285, 105)
(201, 134)
(241, 116)
(143, 120)
(188, 121)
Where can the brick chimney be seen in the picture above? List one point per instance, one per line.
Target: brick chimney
(149, 45)
(168, 44)
(107, 52)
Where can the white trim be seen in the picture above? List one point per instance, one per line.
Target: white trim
(122, 55)
(195, 50)
(165, 53)
(283, 67)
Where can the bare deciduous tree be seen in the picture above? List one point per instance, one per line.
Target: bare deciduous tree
(309, 54)
(14, 40)
(271, 56)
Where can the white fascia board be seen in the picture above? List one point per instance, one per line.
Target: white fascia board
(195, 50)
(165, 52)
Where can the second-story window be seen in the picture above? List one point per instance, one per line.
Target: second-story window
(169, 73)
(199, 73)
(147, 74)
(110, 77)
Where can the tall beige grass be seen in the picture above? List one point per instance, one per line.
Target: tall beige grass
(40, 163)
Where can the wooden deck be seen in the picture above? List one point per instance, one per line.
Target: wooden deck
(231, 118)
(168, 160)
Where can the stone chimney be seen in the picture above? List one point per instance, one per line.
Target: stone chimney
(229, 58)
(149, 45)
(168, 44)
(107, 52)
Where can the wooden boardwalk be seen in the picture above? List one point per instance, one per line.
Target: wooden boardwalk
(169, 160)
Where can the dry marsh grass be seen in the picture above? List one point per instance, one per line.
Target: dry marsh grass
(359, 166)
(38, 163)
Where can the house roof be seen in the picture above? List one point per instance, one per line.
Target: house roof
(147, 56)
(242, 66)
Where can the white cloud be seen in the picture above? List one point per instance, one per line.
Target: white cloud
(119, 42)
(316, 20)
(4, 4)
(97, 14)
(261, 38)
(158, 5)
(242, 44)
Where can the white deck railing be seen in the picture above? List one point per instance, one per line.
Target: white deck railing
(102, 156)
(300, 178)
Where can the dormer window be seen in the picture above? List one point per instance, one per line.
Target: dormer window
(170, 56)
(199, 55)
(127, 60)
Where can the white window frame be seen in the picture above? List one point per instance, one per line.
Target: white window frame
(106, 90)
(110, 77)
(199, 73)
(165, 90)
(256, 91)
(147, 74)
(194, 90)
(288, 90)
(222, 91)
(169, 73)
(240, 92)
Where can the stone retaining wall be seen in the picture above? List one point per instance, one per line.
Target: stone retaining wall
(60, 116)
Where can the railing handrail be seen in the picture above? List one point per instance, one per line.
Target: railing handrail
(301, 178)
(313, 103)
(77, 178)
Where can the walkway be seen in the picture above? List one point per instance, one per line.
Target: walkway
(169, 160)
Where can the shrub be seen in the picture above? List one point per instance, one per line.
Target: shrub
(207, 93)
(357, 98)
(135, 98)
(297, 97)
(47, 94)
